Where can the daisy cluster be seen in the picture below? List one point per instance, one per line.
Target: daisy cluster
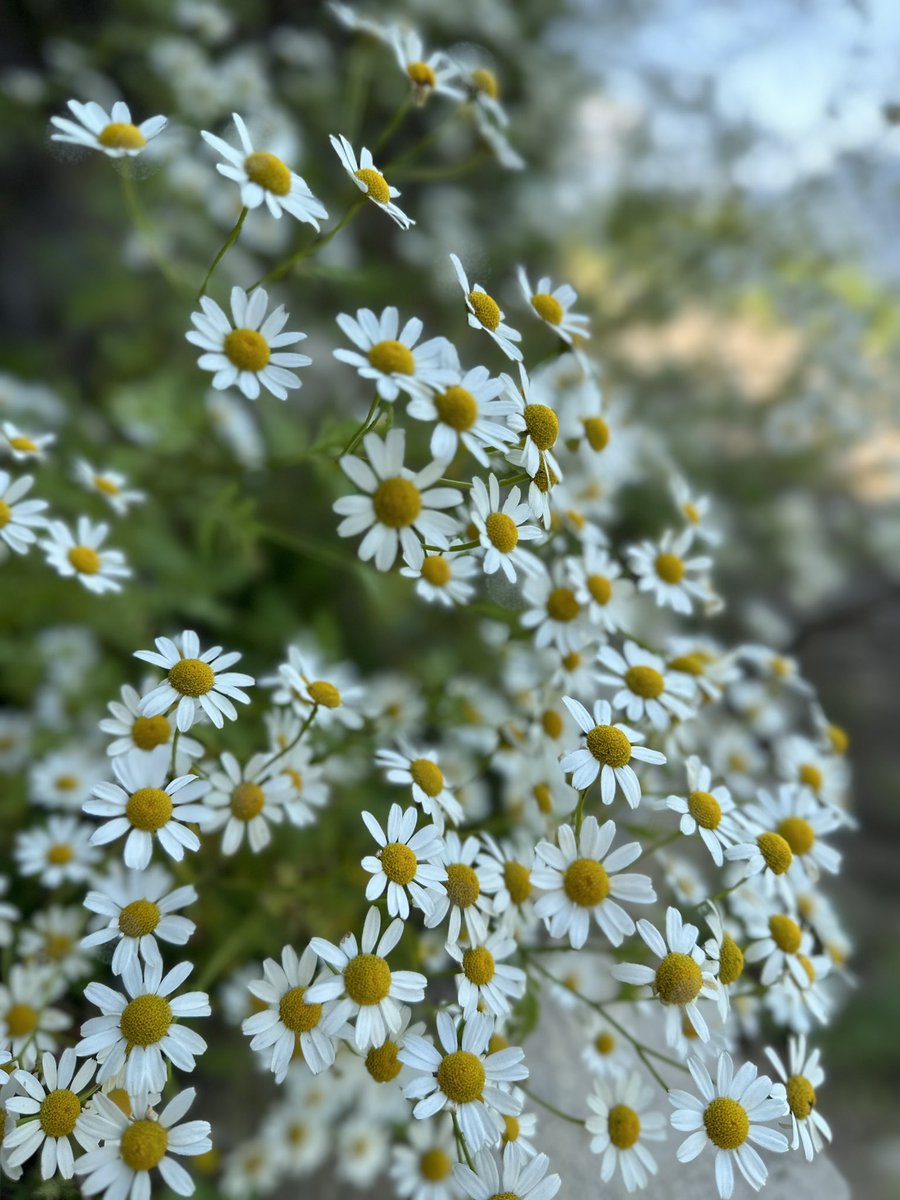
(622, 816)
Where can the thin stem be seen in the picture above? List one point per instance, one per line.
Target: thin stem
(456, 482)
(144, 228)
(393, 125)
(367, 424)
(579, 812)
(283, 268)
(558, 1112)
(287, 749)
(461, 1142)
(223, 250)
(174, 750)
(666, 841)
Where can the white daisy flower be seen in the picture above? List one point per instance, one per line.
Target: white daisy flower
(675, 581)
(422, 1166)
(369, 179)
(704, 662)
(421, 772)
(247, 353)
(486, 983)
(464, 411)
(131, 1147)
(767, 854)
(553, 306)
(802, 821)
(61, 851)
(361, 1150)
(435, 75)
(823, 773)
(53, 939)
(402, 864)
(682, 978)
(289, 1019)
(797, 1007)
(139, 907)
(485, 313)
(729, 1115)
(18, 517)
(307, 790)
(111, 485)
(463, 895)
(536, 423)
(81, 555)
(442, 578)
(623, 1123)
(554, 612)
(462, 1077)
(599, 585)
(263, 178)
(505, 875)
(500, 529)
(645, 687)
(250, 1168)
(524, 1178)
(705, 810)
(140, 1032)
(307, 683)
(49, 1113)
(303, 1141)
(366, 988)
(245, 799)
(782, 945)
(391, 357)
(694, 509)
(381, 1061)
(605, 1053)
(802, 1076)
(609, 751)
(397, 507)
(722, 949)
(133, 732)
(194, 680)
(28, 1021)
(519, 1131)
(63, 778)
(144, 806)
(23, 446)
(9, 914)
(112, 133)
(581, 879)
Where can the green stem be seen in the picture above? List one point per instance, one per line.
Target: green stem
(393, 125)
(225, 247)
(370, 419)
(455, 483)
(144, 228)
(666, 841)
(558, 1112)
(303, 728)
(579, 812)
(461, 1142)
(283, 268)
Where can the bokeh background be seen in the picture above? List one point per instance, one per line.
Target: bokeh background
(719, 180)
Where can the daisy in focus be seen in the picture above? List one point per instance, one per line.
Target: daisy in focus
(518, 1176)
(623, 1121)
(463, 896)
(443, 578)
(194, 681)
(485, 313)
(705, 810)
(600, 586)
(19, 517)
(246, 351)
(81, 555)
(50, 1112)
(486, 984)
(113, 133)
(422, 774)
(369, 179)
(802, 1076)
(501, 528)
(645, 688)
(245, 800)
(264, 179)
(464, 411)
(608, 752)
(401, 866)
(391, 357)
(132, 731)
(553, 306)
(139, 907)
(675, 581)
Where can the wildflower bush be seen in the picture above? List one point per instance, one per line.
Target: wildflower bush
(382, 707)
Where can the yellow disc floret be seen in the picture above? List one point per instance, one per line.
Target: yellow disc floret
(552, 723)
(192, 677)
(486, 309)
(399, 863)
(247, 349)
(586, 882)
(502, 532)
(478, 965)
(462, 885)
(518, 881)
(392, 357)
(604, 1043)
(247, 801)
(143, 1145)
(5, 514)
(811, 775)
(436, 570)
(624, 1126)
(678, 979)
(669, 567)
(547, 307)
(801, 1096)
(428, 776)
(798, 834)
(731, 961)
(461, 1077)
(645, 682)
(149, 809)
(542, 425)
(268, 172)
(139, 918)
(511, 1129)
(435, 1164)
(149, 732)
(596, 431)
(59, 1112)
(84, 559)
(600, 588)
(21, 1020)
(705, 809)
(382, 1062)
(119, 135)
(457, 407)
(776, 852)
(786, 933)
(145, 1020)
(609, 745)
(485, 81)
(324, 693)
(422, 74)
(562, 605)
(60, 853)
(367, 979)
(376, 185)
(727, 1123)
(397, 502)
(296, 1014)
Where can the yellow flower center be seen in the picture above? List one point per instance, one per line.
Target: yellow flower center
(511, 1129)
(436, 570)
(461, 1077)
(268, 171)
(295, 777)
(146, 1020)
(705, 809)
(457, 407)
(840, 742)
(382, 1062)
(149, 732)
(397, 502)
(810, 774)
(247, 801)
(121, 136)
(586, 882)
(727, 1123)
(60, 854)
(139, 918)
(84, 559)
(376, 185)
(392, 357)
(624, 1126)
(143, 1145)
(399, 863)
(247, 349)
(428, 776)
(798, 834)
(66, 783)
(807, 966)
(24, 444)
(731, 961)
(367, 979)
(421, 74)
(776, 852)
(502, 532)
(192, 677)
(542, 424)
(596, 431)
(485, 81)
(5, 514)
(102, 484)
(59, 1112)
(478, 965)
(786, 933)
(670, 568)
(296, 1015)
(547, 307)
(562, 605)
(545, 479)
(678, 979)
(551, 723)
(21, 1019)
(609, 745)
(435, 1164)
(462, 885)
(57, 946)
(600, 588)
(801, 1096)
(542, 795)
(645, 682)
(149, 809)
(497, 1042)
(120, 1099)
(604, 1043)
(324, 694)
(486, 309)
